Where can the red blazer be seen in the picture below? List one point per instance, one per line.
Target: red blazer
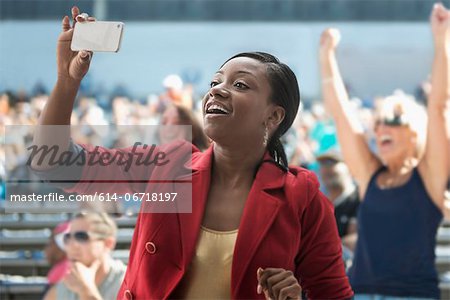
(287, 223)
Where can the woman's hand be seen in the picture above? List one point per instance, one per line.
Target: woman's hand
(72, 65)
(278, 284)
(440, 25)
(329, 40)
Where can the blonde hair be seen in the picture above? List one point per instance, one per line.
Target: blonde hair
(411, 113)
(102, 222)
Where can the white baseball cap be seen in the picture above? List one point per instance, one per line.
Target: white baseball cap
(173, 81)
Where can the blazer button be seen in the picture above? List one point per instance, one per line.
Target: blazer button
(150, 247)
(128, 295)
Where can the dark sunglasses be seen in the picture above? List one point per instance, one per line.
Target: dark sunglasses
(79, 236)
(396, 121)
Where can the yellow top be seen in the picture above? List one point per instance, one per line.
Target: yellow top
(209, 275)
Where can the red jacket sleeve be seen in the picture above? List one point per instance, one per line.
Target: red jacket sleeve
(111, 171)
(320, 266)
(129, 170)
(132, 261)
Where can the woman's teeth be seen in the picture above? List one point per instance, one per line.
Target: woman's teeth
(216, 109)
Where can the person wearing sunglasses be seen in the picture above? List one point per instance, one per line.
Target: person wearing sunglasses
(92, 274)
(402, 188)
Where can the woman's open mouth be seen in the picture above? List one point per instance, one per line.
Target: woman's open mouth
(385, 140)
(216, 109)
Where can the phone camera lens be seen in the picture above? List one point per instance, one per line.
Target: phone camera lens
(118, 26)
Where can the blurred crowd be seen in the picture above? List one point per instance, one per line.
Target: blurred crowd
(313, 133)
(311, 142)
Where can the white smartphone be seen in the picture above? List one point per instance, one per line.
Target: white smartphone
(98, 36)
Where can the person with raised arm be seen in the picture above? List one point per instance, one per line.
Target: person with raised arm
(402, 187)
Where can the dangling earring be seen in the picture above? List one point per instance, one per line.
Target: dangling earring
(266, 137)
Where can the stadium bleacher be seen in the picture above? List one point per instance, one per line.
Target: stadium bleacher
(23, 266)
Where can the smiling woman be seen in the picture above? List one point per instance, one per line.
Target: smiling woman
(403, 186)
(258, 228)
(265, 92)
(400, 127)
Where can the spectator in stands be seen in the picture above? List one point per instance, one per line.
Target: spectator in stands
(4, 104)
(180, 115)
(55, 254)
(93, 274)
(241, 183)
(403, 188)
(323, 131)
(304, 153)
(342, 192)
(174, 94)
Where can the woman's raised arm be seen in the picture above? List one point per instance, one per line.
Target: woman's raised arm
(355, 150)
(72, 67)
(434, 165)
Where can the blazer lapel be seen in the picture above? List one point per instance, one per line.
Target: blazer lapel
(259, 213)
(190, 222)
